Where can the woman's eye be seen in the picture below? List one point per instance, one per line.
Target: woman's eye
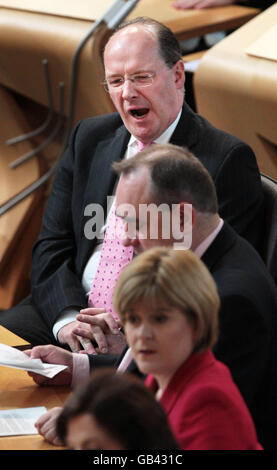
(161, 318)
(132, 319)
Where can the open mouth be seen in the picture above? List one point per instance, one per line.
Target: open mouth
(147, 352)
(139, 113)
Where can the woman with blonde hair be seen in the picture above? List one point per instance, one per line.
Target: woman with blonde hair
(168, 304)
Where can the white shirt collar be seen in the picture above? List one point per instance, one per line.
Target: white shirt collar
(166, 135)
(204, 245)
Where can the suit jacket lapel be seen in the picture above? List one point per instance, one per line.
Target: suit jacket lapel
(187, 130)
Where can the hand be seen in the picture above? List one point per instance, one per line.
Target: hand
(46, 425)
(199, 4)
(66, 335)
(52, 355)
(104, 330)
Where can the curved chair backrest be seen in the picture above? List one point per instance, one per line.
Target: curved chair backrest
(269, 248)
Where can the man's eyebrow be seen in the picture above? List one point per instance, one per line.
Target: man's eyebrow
(134, 73)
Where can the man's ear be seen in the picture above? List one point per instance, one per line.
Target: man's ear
(187, 216)
(179, 70)
(183, 217)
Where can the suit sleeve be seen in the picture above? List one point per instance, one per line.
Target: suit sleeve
(103, 360)
(243, 343)
(55, 285)
(239, 192)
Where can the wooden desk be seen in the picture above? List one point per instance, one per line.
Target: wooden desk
(10, 339)
(184, 23)
(237, 92)
(191, 23)
(17, 390)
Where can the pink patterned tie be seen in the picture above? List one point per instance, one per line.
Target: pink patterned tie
(114, 257)
(141, 145)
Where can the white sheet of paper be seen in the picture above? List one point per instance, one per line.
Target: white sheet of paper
(12, 357)
(20, 421)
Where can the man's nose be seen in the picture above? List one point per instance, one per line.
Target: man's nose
(129, 89)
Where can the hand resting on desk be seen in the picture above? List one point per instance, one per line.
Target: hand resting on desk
(46, 425)
(52, 355)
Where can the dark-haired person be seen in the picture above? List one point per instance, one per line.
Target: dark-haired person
(114, 412)
(144, 75)
(168, 303)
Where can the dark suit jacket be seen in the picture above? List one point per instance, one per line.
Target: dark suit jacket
(204, 407)
(247, 326)
(84, 176)
(247, 341)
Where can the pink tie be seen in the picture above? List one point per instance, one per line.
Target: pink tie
(141, 146)
(114, 257)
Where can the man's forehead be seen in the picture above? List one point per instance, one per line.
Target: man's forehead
(136, 29)
(133, 186)
(130, 34)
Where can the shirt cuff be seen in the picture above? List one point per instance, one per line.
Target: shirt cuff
(67, 316)
(81, 369)
(126, 361)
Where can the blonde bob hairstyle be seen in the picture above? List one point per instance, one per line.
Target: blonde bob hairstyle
(163, 277)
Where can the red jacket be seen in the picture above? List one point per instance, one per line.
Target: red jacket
(205, 408)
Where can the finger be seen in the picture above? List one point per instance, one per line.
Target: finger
(91, 320)
(39, 352)
(100, 339)
(74, 344)
(41, 421)
(103, 321)
(28, 352)
(87, 345)
(97, 335)
(92, 311)
(37, 378)
(49, 432)
(113, 324)
(83, 332)
(57, 442)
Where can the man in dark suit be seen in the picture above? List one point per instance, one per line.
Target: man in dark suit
(145, 78)
(247, 320)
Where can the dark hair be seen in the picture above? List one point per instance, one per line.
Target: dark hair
(176, 176)
(124, 407)
(169, 47)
